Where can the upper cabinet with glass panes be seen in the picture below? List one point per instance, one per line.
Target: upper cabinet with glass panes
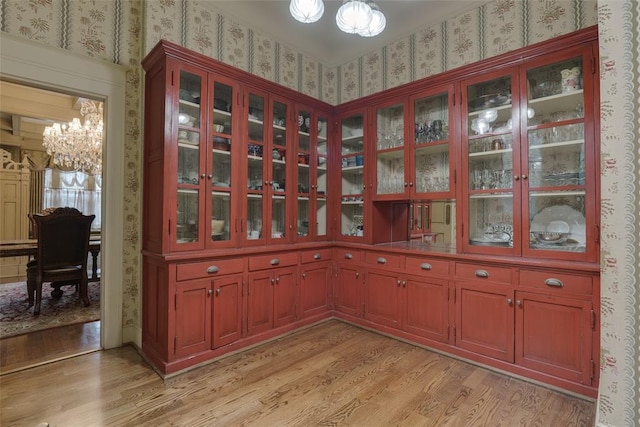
(558, 197)
(529, 159)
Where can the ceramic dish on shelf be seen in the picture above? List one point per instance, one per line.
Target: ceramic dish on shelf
(558, 226)
(557, 218)
(549, 237)
(489, 241)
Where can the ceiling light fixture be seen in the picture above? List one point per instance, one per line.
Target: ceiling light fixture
(362, 17)
(306, 11)
(377, 24)
(77, 145)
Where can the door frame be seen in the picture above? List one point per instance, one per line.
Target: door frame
(35, 64)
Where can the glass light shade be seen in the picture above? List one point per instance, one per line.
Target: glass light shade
(354, 16)
(377, 24)
(306, 11)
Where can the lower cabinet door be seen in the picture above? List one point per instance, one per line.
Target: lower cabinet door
(554, 335)
(381, 296)
(227, 310)
(347, 291)
(314, 289)
(485, 319)
(193, 317)
(284, 303)
(426, 308)
(260, 302)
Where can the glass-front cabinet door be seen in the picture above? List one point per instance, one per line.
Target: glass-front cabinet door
(491, 208)
(531, 163)
(319, 186)
(303, 144)
(279, 181)
(257, 173)
(310, 141)
(558, 140)
(391, 177)
(432, 170)
(352, 181)
(221, 168)
(190, 161)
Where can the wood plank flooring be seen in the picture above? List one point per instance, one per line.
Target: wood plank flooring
(46, 346)
(332, 374)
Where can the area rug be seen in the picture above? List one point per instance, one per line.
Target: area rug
(16, 317)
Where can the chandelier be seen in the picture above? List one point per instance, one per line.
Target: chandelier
(75, 145)
(362, 17)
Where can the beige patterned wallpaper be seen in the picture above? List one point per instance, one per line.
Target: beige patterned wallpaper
(122, 31)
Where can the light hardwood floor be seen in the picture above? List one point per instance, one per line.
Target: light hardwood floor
(46, 346)
(331, 374)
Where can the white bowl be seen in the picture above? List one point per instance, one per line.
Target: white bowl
(558, 226)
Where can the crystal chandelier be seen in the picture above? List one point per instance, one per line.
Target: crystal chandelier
(75, 145)
(362, 17)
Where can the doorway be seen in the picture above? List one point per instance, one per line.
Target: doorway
(37, 65)
(47, 181)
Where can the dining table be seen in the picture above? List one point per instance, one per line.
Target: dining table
(29, 247)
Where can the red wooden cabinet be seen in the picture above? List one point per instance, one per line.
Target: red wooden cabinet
(347, 290)
(412, 138)
(221, 172)
(216, 302)
(271, 299)
(311, 179)
(529, 158)
(314, 288)
(260, 302)
(554, 335)
(485, 319)
(351, 173)
(285, 298)
(227, 310)
(382, 297)
(425, 307)
(193, 317)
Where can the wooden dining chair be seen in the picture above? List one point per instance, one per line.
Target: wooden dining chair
(63, 246)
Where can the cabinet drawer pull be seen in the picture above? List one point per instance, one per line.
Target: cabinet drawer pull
(425, 266)
(482, 273)
(556, 283)
(275, 261)
(217, 291)
(317, 256)
(348, 256)
(213, 269)
(381, 260)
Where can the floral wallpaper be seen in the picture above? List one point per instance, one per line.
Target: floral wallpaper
(109, 31)
(122, 31)
(491, 29)
(619, 391)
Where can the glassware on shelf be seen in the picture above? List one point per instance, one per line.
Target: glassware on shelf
(352, 175)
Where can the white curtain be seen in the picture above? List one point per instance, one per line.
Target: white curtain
(74, 189)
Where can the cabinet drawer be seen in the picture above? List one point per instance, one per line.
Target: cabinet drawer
(315, 256)
(216, 267)
(386, 260)
(556, 281)
(347, 255)
(274, 260)
(428, 266)
(484, 272)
